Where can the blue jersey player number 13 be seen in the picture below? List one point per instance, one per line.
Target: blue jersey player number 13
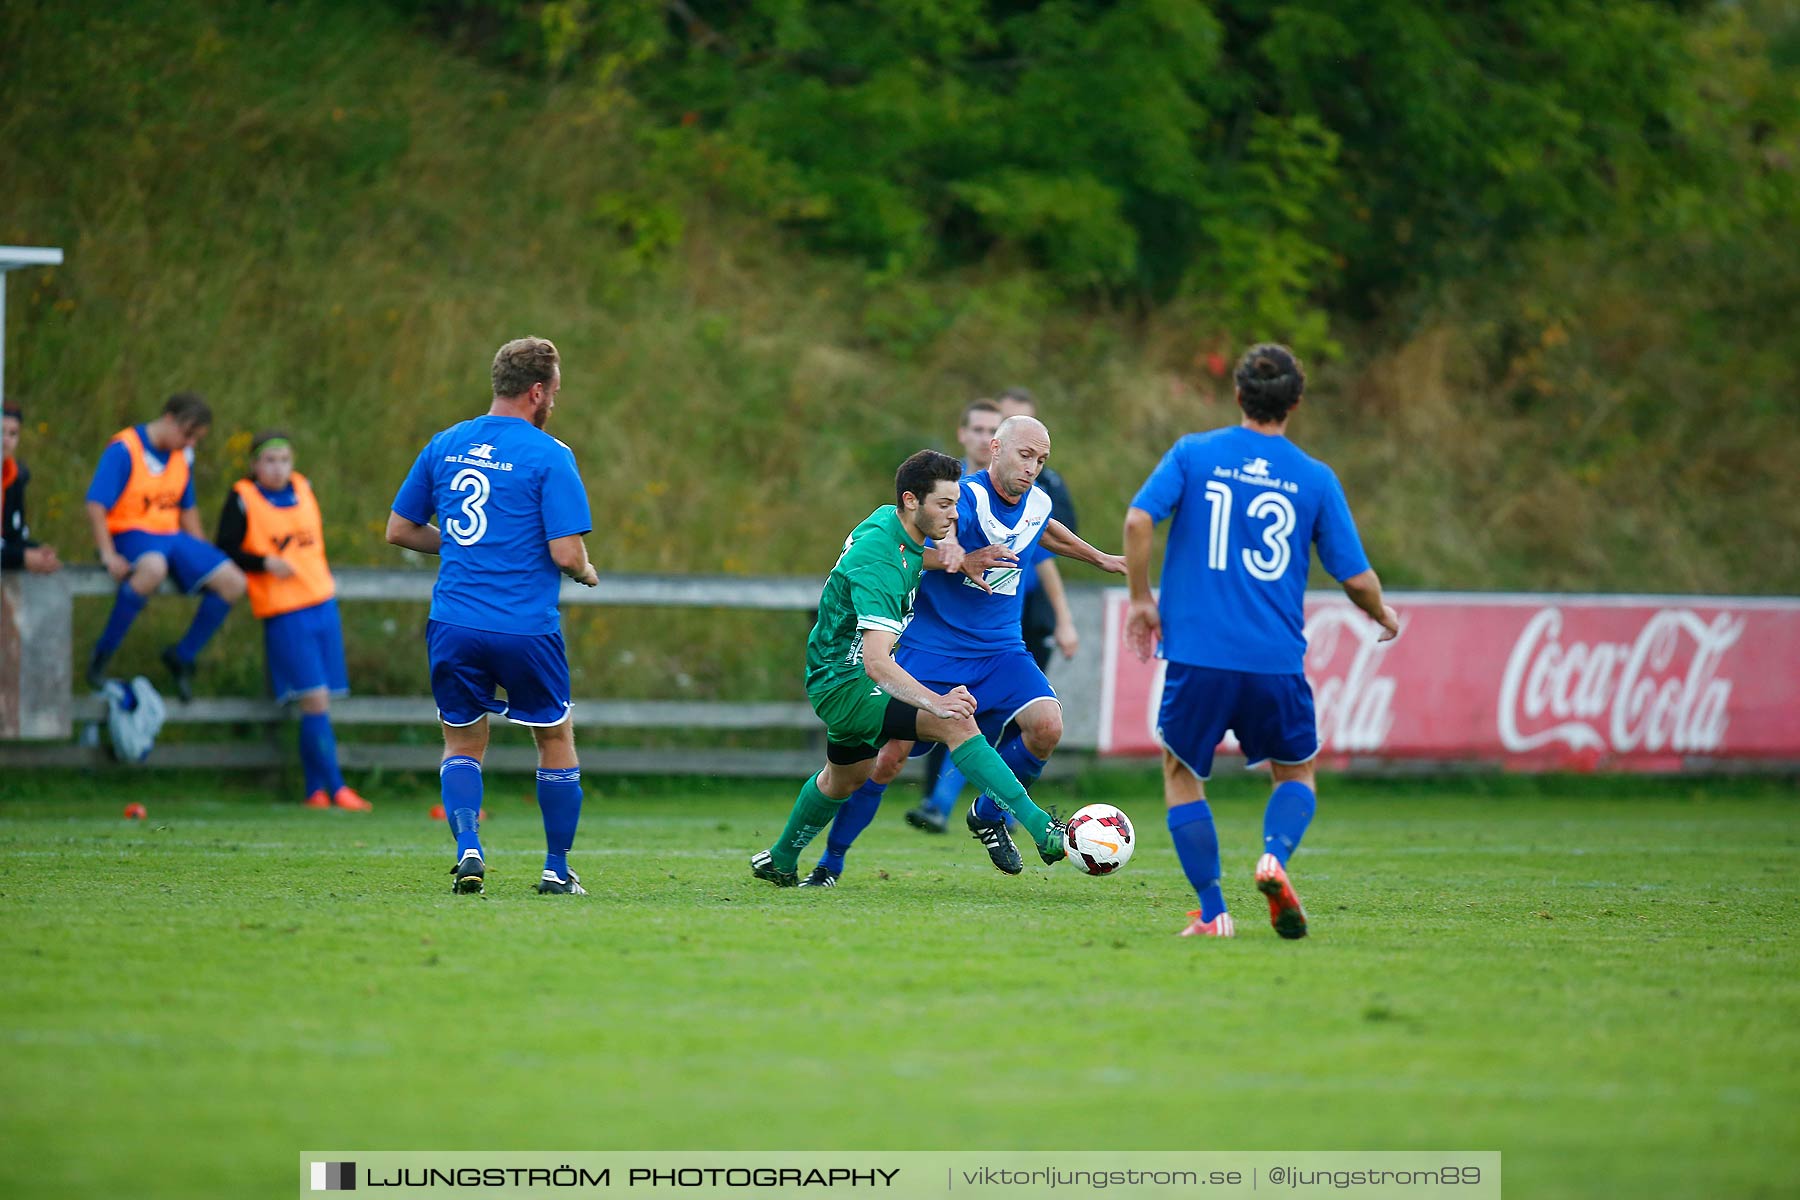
(511, 512)
(1248, 507)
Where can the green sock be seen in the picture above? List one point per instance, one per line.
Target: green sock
(983, 765)
(813, 811)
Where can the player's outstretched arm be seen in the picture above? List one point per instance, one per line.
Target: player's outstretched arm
(571, 557)
(1364, 590)
(945, 556)
(413, 536)
(1143, 624)
(1058, 540)
(878, 661)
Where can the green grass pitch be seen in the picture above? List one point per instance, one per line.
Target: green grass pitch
(1596, 977)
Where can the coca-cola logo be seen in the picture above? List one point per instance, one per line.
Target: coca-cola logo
(1657, 692)
(1355, 703)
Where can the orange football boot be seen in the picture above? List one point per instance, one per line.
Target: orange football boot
(1285, 913)
(345, 798)
(317, 800)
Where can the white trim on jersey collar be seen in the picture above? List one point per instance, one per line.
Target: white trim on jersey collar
(1035, 515)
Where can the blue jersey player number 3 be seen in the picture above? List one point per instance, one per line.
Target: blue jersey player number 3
(511, 512)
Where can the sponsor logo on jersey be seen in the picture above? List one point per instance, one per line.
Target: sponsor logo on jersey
(480, 454)
(1256, 471)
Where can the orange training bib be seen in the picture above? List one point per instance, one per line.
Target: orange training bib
(296, 534)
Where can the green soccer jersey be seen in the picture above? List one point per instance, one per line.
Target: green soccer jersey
(872, 587)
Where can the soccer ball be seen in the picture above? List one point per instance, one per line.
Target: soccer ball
(1099, 839)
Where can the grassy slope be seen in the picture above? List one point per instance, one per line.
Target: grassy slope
(326, 221)
(1595, 978)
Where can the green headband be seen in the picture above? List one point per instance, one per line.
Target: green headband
(275, 443)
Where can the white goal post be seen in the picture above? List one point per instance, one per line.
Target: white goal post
(11, 259)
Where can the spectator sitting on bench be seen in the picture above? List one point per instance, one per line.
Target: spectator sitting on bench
(141, 508)
(17, 550)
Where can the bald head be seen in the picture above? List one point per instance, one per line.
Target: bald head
(1021, 447)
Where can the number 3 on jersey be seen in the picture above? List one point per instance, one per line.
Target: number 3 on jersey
(1266, 564)
(472, 525)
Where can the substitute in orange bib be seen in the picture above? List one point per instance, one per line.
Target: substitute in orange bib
(141, 507)
(270, 526)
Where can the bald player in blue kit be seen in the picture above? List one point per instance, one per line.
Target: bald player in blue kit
(968, 633)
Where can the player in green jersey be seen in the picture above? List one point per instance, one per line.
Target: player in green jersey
(863, 695)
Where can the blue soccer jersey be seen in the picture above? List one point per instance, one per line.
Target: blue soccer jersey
(954, 617)
(501, 489)
(1248, 507)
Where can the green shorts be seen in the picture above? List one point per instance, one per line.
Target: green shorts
(859, 717)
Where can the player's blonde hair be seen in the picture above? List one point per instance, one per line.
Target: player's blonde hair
(523, 362)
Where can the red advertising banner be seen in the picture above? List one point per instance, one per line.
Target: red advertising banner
(1533, 682)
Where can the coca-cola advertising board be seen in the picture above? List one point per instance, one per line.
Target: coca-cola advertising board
(1535, 682)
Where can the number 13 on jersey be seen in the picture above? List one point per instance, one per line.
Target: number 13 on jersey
(1268, 562)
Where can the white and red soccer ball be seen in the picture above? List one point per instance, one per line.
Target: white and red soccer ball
(1099, 839)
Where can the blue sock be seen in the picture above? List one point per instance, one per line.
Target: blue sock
(1197, 846)
(318, 749)
(126, 606)
(207, 619)
(559, 800)
(1290, 811)
(309, 755)
(1026, 765)
(460, 779)
(948, 789)
(851, 820)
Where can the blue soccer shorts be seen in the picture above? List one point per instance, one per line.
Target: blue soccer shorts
(1272, 716)
(305, 651)
(1004, 684)
(468, 666)
(191, 561)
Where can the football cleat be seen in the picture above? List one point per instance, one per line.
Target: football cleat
(1220, 926)
(469, 872)
(96, 673)
(821, 877)
(1285, 913)
(1059, 843)
(317, 800)
(181, 672)
(553, 884)
(762, 865)
(928, 819)
(345, 798)
(994, 839)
